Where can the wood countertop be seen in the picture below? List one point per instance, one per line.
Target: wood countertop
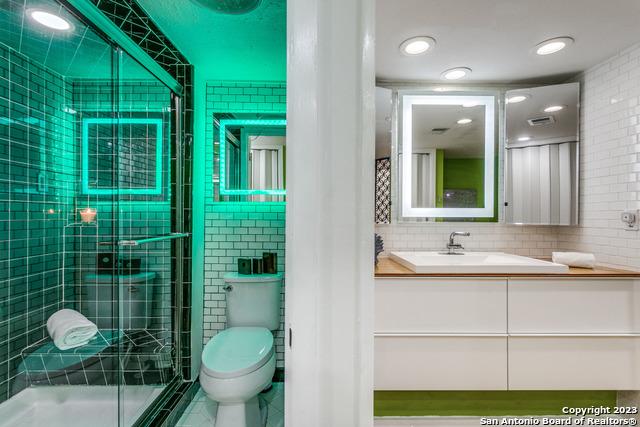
(388, 268)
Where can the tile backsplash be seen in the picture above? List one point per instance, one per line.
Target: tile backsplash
(535, 241)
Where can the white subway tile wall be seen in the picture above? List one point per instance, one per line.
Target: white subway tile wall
(609, 161)
(536, 241)
(232, 229)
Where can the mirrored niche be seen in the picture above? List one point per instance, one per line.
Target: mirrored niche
(541, 155)
(251, 157)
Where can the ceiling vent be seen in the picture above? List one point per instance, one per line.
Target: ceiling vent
(438, 131)
(541, 121)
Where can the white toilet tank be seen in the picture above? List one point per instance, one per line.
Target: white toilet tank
(253, 300)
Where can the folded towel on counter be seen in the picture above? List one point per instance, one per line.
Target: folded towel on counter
(574, 259)
(70, 329)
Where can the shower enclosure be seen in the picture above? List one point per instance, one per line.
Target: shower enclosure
(89, 207)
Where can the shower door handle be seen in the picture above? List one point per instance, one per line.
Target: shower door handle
(170, 236)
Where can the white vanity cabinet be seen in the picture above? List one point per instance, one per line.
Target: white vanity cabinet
(507, 333)
(574, 334)
(440, 334)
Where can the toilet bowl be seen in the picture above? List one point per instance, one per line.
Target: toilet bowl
(237, 364)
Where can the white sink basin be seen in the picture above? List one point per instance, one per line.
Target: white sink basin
(475, 262)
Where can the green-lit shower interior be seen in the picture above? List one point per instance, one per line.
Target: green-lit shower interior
(85, 190)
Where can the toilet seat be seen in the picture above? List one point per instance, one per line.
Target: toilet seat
(237, 351)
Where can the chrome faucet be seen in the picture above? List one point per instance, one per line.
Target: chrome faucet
(452, 246)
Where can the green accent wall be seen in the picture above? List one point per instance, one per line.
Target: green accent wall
(465, 174)
(439, 178)
(485, 403)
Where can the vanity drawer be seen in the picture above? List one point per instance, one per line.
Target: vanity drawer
(440, 363)
(440, 305)
(574, 306)
(574, 363)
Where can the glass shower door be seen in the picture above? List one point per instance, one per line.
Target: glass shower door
(146, 239)
(87, 212)
(58, 214)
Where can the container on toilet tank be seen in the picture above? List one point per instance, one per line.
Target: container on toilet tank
(253, 300)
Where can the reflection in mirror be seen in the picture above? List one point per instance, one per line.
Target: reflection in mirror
(541, 171)
(450, 173)
(252, 157)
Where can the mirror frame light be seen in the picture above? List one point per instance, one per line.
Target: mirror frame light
(408, 101)
(224, 191)
(149, 191)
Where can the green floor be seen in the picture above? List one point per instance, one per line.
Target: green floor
(485, 403)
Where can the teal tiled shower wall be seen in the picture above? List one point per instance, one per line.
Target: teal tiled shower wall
(232, 229)
(40, 193)
(37, 185)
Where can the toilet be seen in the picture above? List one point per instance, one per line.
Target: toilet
(239, 362)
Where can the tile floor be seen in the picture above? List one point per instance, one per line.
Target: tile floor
(201, 412)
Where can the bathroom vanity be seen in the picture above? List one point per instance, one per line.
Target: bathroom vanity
(577, 330)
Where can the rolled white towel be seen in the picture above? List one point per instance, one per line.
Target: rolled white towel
(574, 259)
(70, 329)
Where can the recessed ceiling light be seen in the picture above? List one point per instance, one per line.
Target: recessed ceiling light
(464, 121)
(50, 20)
(524, 138)
(553, 108)
(550, 46)
(417, 45)
(456, 73)
(470, 104)
(517, 98)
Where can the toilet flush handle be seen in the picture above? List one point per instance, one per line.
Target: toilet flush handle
(228, 288)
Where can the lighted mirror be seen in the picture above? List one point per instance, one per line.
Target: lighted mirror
(450, 172)
(252, 157)
(541, 155)
(141, 157)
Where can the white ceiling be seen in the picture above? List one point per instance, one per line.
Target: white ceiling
(496, 37)
(250, 46)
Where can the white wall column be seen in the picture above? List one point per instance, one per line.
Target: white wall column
(330, 190)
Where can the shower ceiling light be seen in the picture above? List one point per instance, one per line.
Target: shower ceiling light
(456, 73)
(417, 45)
(550, 46)
(553, 108)
(517, 98)
(524, 138)
(464, 121)
(230, 7)
(50, 20)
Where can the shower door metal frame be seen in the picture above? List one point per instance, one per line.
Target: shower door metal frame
(91, 16)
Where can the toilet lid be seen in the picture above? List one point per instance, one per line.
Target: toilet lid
(237, 351)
